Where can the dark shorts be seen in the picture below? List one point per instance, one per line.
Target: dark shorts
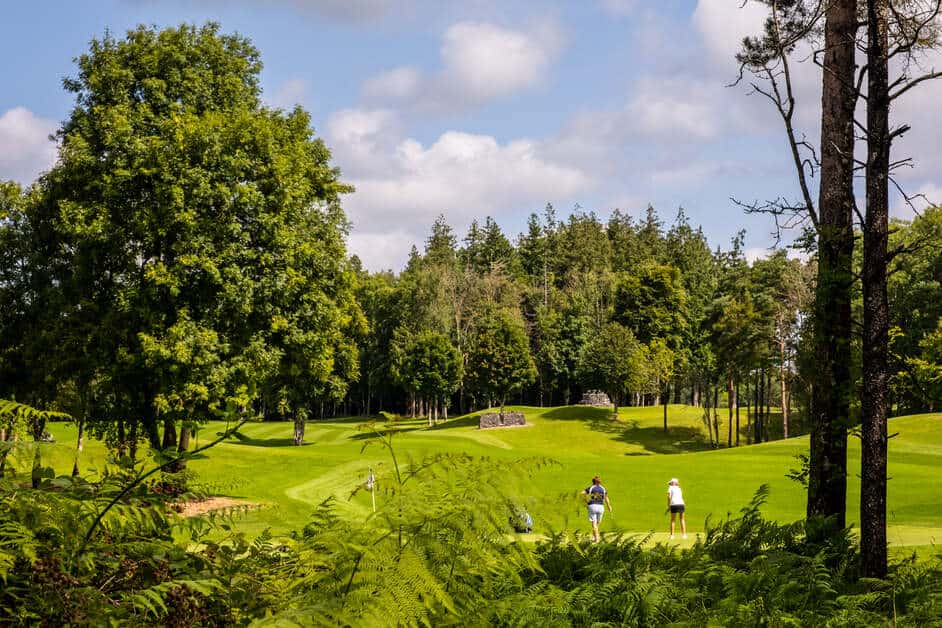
(677, 508)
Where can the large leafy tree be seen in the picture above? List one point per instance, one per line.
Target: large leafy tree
(613, 361)
(499, 360)
(192, 235)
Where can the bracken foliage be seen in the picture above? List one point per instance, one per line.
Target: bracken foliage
(440, 550)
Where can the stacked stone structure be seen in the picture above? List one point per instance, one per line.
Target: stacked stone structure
(595, 398)
(494, 419)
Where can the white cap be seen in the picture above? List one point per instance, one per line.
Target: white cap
(674, 481)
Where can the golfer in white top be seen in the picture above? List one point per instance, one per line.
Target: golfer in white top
(675, 503)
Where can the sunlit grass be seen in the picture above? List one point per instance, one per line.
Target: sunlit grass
(634, 457)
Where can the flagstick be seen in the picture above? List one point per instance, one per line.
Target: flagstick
(373, 490)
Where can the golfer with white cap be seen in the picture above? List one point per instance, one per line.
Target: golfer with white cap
(675, 503)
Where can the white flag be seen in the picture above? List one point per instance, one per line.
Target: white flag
(370, 479)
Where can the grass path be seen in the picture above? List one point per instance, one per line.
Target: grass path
(634, 457)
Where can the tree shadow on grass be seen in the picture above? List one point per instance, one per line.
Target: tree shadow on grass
(400, 428)
(469, 420)
(579, 413)
(677, 439)
(242, 439)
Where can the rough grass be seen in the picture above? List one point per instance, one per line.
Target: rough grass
(634, 457)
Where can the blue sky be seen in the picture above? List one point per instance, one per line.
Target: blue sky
(482, 107)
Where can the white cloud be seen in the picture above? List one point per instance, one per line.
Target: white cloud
(398, 84)
(388, 250)
(756, 253)
(480, 62)
(402, 184)
(485, 61)
(619, 7)
(290, 93)
(723, 24)
(661, 112)
(25, 148)
(363, 141)
(463, 175)
(920, 110)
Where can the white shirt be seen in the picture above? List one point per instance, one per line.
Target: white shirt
(676, 495)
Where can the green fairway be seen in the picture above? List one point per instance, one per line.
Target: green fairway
(634, 457)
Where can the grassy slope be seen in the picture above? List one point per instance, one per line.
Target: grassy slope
(631, 456)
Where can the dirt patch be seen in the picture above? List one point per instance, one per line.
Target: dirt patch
(211, 504)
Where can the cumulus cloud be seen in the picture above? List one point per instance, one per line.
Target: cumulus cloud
(678, 113)
(724, 24)
(363, 141)
(464, 175)
(402, 184)
(290, 93)
(388, 250)
(25, 147)
(480, 62)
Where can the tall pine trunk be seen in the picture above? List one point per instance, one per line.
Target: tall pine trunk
(737, 412)
(731, 402)
(830, 403)
(79, 445)
(781, 375)
(876, 309)
(757, 411)
(716, 413)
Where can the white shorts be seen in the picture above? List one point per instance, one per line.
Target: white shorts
(595, 512)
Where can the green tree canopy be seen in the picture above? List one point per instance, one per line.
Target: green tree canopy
(194, 237)
(613, 361)
(499, 361)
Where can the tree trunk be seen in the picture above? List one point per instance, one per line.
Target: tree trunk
(709, 424)
(830, 403)
(716, 414)
(182, 446)
(5, 434)
(768, 404)
(170, 434)
(737, 413)
(122, 439)
(749, 414)
(298, 428)
(873, 552)
(757, 424)
(79, 445)
(781, 376)
(665, 397)
(731, 397)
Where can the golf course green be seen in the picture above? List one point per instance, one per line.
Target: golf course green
(563, 447)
